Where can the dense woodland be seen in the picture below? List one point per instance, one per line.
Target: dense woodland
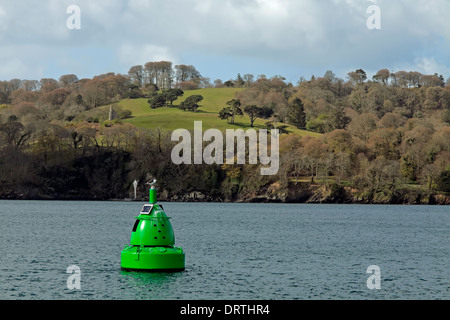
(383, 140)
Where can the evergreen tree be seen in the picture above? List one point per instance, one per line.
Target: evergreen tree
(233, 109)
(297, 115)
(157, 101)
(191, 103)
(253, 113)
(239, 81)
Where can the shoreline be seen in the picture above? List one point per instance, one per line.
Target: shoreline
(444, 202)
(271, 193)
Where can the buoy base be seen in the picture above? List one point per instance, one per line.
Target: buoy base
(152, 259)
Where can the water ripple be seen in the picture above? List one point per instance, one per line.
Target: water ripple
(233, 251)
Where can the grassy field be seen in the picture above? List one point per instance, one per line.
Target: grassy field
(215, 99)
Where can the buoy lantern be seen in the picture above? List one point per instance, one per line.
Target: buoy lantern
(152, 242)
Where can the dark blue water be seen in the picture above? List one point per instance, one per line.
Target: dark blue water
(233, 251)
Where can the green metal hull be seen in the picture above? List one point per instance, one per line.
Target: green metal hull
(152, 247)
(153, 259)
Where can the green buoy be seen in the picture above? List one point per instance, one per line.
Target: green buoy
(152, 242)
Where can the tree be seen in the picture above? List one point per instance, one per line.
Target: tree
(402, 78)
(191, 103)
(31, 85)
(55, 97)
(446, 117)
(159, 73)
(340, 141)
(218, 83)
(94, 93)
(415, 78)
(229, 84)
(296, 114)
(385, 142)
(362, 125)
(5, 92)
(76, 139)
(253, 113)
(433, 98)
(314, 153)
(48, 84)
(68, 80)
(184, 73)
(15, 133)
(330, 76)
(133, 92)
(430, 175)
(358, 99)
(337, 119)
(445, 98)
(21, 95)
(172, 94)
(383, 75)
(361, 74)
(391, 120)
(444, 181)
(225, 114)
(158, 101)
(317, 124)
(414, 152)
(136, 74)
(432, 81)
(239, 81)
(358, 76)
(248, 79)
(234, 109)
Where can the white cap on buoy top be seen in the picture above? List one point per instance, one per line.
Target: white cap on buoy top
(152, 184)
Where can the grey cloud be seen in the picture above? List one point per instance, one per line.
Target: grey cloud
(315, 33)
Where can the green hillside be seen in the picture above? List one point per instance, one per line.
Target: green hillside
(215, 99)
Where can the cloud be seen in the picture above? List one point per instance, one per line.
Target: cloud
(3, 21)
(15, 65)
(13, 68)
(134, 54)
(426, 65)
(301, 35)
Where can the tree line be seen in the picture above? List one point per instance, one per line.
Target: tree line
(382, 139)
(380, 136)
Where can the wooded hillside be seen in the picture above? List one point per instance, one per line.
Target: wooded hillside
(383, 140)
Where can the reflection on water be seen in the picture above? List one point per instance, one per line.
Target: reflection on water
(155, 286)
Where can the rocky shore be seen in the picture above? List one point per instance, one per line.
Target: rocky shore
(301, 193)
(316, 194)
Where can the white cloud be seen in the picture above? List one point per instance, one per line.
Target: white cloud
(3, 21)
(426, 65)
(16, 66)
(13, 68)
(325, 35)
(135, 54)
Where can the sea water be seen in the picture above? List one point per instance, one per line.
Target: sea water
(233, 252)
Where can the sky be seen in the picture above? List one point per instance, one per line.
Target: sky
(221, 38)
